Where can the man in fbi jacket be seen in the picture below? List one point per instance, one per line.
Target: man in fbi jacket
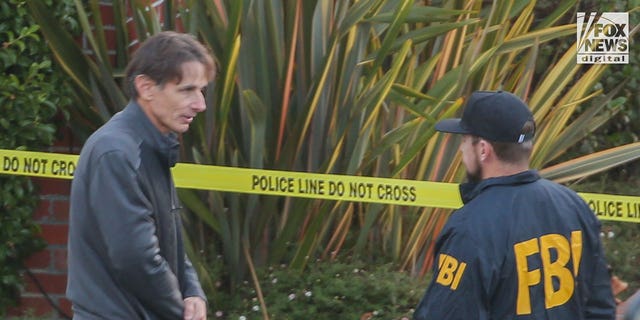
(521, 247)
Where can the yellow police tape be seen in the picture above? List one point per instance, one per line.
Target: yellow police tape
(306, 185)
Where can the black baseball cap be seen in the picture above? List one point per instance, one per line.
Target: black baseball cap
(498, 116)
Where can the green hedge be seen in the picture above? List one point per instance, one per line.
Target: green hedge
(325, 290)
(31, 95)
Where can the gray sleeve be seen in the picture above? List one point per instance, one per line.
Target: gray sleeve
(125, 223)
(191, 284)
(188, 276)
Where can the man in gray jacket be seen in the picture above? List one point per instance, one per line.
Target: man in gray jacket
(126, 256)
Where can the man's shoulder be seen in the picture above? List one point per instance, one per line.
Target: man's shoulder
(112, 137)
(545, 183)
(493, 210)
(523, 194)
(557, 193)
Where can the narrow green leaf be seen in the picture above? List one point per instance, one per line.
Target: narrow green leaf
(421, 14)
(191, 201)
(591, 164)
(541, 36)
(64, 48)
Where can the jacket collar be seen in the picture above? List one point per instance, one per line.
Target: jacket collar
(165, 144)
(470, 190)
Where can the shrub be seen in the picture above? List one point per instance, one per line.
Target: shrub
(17, 235)
(620, 241)
(326, 290)
(31, 92)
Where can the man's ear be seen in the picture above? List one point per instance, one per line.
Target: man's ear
(486, 149)
(144, 86)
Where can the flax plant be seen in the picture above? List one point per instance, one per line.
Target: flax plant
(345, 87)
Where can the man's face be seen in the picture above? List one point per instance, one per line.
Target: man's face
(175, 104)
(471, 159)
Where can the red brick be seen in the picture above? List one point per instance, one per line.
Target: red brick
(133, 36)
(64, 135)
(179, 25)
(65, 305)
(60, 211)
(160, 11)
(106, 13)
(51, 283)
(49, 186)
(39, 260)
(110, 37)
(70, 149)
(32, 306)
(66, 143)
(60, 260)
(55, 233)
(42, 212)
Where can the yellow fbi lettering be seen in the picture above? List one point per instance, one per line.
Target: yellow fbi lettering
(565, 251)
(450, 271)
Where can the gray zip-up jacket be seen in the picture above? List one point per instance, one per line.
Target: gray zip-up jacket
(126, 257)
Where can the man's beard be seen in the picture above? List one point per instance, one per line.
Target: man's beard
(475, 177)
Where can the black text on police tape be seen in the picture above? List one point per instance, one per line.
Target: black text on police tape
(615, 209)
(38, 166)
(333, 188)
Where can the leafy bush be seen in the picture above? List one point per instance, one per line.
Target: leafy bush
(620, 241)
(327, 290)
(31, 92)
(17, 235)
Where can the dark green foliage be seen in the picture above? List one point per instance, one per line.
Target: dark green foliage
(620, 242)
(17, 235)
(327, 290)
(31, 92)
(28, 100)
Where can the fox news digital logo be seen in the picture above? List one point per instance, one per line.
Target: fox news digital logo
(603, 38)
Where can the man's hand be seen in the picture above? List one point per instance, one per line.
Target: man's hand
(195, 309)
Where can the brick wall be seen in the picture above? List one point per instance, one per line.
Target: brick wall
(49, 267)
